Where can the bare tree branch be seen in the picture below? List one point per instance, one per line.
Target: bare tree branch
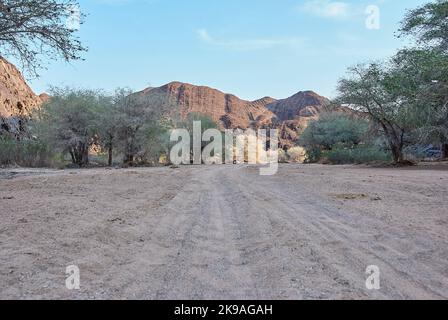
(30, 29)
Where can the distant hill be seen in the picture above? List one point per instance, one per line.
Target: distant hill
(181, 99)
(290, 115)
(176, 100)
(300, 105)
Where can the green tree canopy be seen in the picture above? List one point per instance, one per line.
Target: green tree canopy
(376, 91)
(428, 25)
(68, 121)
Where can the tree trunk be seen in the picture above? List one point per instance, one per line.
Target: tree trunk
(73, 156)
(80, 155)
(85, 157)
(110, 161)
(396, 143)
(397, 152)
(129, 159)
(445, 151)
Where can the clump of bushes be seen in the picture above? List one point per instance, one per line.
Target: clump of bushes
(344, 138)
(297, 154)
(357, 155)
(340, 138)
(26, 153)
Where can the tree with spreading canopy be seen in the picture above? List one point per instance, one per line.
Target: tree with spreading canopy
(68, 122)
(407, 96)
(426, 69)
(30, 29)
(140, 132)
(107, 117)
(372, 89)
(422, 81)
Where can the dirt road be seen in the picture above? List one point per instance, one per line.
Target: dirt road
(224, 232)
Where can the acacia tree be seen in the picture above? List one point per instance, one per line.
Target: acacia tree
(108, 119)
(156, 140)
(136, 118)
(427, 67)
(375, 91)
(68, 122)
(131, 121)
(30, 29)
(422, 76)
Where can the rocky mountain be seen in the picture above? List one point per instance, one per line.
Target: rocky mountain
(175, 101)
(16, 99)
(301, 105)
(294, 114)
(178, 99)
(290, 115)
(44, 97)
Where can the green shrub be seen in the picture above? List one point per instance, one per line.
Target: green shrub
(357, 155)
(335, 135)
(26, 153)
(333, 128)
(313, 155)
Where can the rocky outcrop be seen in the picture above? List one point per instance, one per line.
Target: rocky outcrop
(17, 100)
(305, 104)
(180, 99)
(290, 116)
(175, 101)
(44, 97)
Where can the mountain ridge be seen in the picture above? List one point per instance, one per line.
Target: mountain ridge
(176, 100)
(290, 116)
(228, 109)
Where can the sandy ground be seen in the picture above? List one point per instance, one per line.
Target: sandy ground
(224, 232)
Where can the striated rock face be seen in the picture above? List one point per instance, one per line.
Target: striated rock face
(291, 116)
(16, 99)
(295, 113)
(227, 110)
(303, 104)
(175, 101)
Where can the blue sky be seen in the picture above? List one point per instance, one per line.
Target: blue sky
(251, 48)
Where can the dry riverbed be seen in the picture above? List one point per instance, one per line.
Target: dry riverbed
(225, 232)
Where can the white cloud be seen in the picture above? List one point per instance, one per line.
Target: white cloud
(326, 8)
(249, 44)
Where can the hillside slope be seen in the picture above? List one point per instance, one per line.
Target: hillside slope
(17, 100)
(178, 99)
(175, 101)
(301, 105)
(290, 116)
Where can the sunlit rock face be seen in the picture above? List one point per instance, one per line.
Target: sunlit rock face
(17, 100)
